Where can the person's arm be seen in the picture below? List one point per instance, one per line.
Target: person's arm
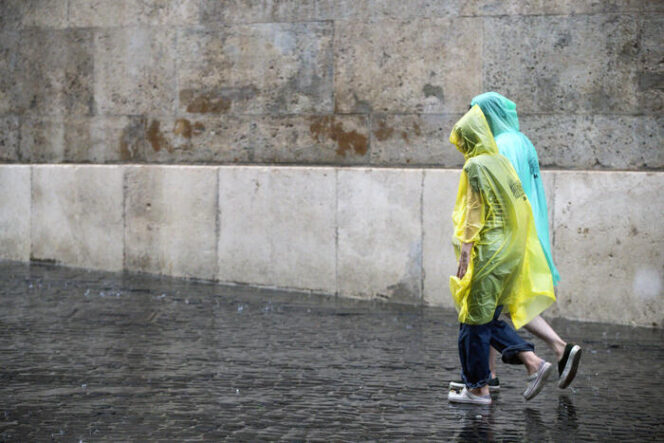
(464, 259)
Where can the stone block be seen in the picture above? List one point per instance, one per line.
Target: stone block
(267, 11)
(263, 139)
(44, 13)
(594, 141)
(417, 66)
(608, 245)
(548, 8)
(134, 70)
(380, 234)
(110, 13)
(584, 64)
(651, 74)
(9, 137)
(650, 136)
(55, 78)
(77, 216)
(277, 227)
(416, 140)
(15, 212)
(42, 139)
(171, 220)
(276, 68)
(10, 97)
(439, 260)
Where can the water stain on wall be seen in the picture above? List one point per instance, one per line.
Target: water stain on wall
(156, 138)
(347, 141)
(217, 102)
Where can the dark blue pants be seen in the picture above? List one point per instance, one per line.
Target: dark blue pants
(474, 343)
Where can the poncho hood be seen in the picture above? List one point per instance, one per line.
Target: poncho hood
(500, 112)
(472, 136)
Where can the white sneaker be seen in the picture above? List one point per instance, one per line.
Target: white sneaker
(536, 380)
(465, 396)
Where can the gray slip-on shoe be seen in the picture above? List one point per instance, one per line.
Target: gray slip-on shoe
(536, 380)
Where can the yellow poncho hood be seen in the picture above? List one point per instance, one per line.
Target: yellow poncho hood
(507, 265)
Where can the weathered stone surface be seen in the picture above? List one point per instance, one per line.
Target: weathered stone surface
(237, 11)
(9, 136)
(171, 219)
(261, 139)
(553, 64)
(414, 140)
(109, 13)
(651, 76)
(77, 216)
(55, 78)
(593, 142)
(262, 68)
(15, 212)
(544, 7)
(10, 97)
(608, 244)
(134, 70)
(42, 140)
(439, 260)
(380, 234)
(277, 227)
(44, 13)
(418, 66)
(651, 135)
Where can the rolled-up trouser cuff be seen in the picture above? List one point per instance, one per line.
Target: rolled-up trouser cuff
(510, 354)
(479, 384)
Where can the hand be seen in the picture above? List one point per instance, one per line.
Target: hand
(464, 259)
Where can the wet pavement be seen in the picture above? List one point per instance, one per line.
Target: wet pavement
(89, 356)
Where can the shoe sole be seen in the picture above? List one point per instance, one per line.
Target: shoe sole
(539, 383)
(570, 368)
(468, 401)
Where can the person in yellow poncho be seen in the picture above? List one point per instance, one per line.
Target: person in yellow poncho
(501, 264)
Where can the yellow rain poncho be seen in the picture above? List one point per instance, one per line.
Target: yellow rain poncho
(507, 266)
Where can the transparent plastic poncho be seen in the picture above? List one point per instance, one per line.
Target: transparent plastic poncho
(507, 265)
(500, 113)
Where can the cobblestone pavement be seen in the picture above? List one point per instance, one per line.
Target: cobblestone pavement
(88, 356)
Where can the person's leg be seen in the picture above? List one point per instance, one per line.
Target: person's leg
(474, 355)
(492, 361)
(542, 330)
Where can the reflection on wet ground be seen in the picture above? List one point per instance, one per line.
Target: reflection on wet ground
(97, 356)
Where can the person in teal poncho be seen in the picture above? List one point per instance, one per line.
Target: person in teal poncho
(504, 124)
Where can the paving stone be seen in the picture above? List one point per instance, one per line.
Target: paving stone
(255, 69)
(539, 7)
(417, 66)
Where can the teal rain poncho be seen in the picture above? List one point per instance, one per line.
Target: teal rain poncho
(501, 115)
(507, 266)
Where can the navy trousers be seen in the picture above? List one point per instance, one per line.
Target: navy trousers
(474, 343)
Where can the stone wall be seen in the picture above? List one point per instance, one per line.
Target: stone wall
(326, 82)
(380, 233)
(302, 144)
